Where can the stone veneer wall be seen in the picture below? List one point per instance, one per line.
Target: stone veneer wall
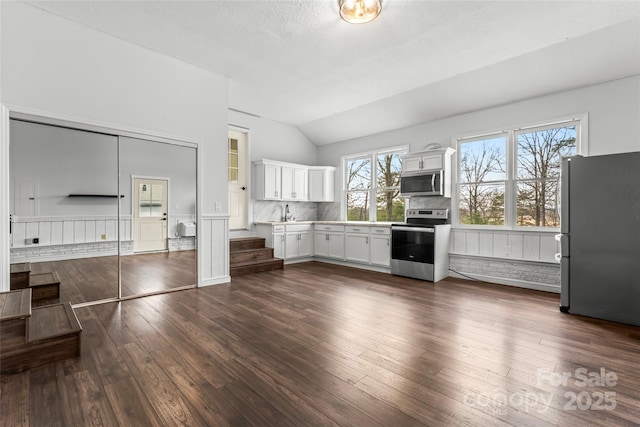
(36, 253)
(527, 274)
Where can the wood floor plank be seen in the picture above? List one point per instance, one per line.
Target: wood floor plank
(88, 401)
(206, 398)
(48, 403)
(130, 405)
(14, 410)
(172, 408)
(320, 344)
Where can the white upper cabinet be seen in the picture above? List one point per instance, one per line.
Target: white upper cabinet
(438, 159)
(268, 181)
(292, 182)
(321, 183)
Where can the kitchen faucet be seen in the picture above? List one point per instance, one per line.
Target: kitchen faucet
(287, 215)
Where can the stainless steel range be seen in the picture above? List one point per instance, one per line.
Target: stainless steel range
(420, 247)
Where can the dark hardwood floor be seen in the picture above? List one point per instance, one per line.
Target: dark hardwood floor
(319, 344)
(92, 279)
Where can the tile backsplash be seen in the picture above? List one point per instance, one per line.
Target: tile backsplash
(267, 210)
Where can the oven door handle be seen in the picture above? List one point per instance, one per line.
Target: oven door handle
(416, 229)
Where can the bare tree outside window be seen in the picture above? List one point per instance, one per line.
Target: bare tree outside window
(518, 190)
(390, 207)
(540, 155)
(358, 176)
(372, 186)
(482, 181)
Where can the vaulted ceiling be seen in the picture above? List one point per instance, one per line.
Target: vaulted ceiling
(296, 62)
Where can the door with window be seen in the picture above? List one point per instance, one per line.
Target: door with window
(237, 180)
(150, 215)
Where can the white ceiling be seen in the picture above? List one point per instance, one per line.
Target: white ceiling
(296, 62)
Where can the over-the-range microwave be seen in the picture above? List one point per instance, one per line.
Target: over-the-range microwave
(422, 183)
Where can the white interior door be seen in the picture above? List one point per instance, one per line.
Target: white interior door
(237, 180)
(26, 197)
(150, 215)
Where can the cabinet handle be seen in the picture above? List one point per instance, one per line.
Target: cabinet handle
(388, 244)
(327, 237)
(366, 241)
(356, 229)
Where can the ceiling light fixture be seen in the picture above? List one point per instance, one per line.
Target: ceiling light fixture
(360, 11)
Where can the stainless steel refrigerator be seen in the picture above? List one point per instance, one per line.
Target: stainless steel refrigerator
(600, 241)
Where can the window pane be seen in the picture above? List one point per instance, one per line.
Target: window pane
(389, 206)
(537, 203)
(358, 206)
(483, 160)
(358, 174)
(482, 204)
(388, 170)
(540, 152)
(233, 144)
(233, 175)
(233, 160)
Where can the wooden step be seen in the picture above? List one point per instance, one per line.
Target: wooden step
(53, 334)
(244, 243)
(15, 309)
(250, 255)
(256, 266)
(20, 275)
(45, 288)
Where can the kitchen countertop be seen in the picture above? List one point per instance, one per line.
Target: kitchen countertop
(362, 223)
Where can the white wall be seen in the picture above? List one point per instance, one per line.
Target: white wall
(274, 140)
(54, 67)
(613, 108)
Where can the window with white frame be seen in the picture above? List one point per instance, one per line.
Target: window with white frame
(372, 186)
(510, 178)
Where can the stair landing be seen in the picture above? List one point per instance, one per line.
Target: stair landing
(31, 337)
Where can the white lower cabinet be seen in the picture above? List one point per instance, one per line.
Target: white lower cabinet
(380, 250)
(356, 244)
(278, 245)
(329, 241)
(361, 244)
(298, 241)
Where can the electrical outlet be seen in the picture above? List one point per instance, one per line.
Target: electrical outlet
(103, 236)
(218, 206)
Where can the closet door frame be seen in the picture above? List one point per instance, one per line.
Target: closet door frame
(11, 112)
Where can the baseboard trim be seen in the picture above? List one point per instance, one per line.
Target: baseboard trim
(215, 281)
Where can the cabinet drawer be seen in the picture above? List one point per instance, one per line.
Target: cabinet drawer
(278, 228)
(384, 231)
(357, 229)
(327, 227)
(298, 227)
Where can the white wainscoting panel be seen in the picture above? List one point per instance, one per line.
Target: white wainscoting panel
(538, 246)
(214, 250)
(53, 231)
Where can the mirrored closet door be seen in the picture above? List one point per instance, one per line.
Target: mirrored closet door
(104, 215)
(158, 181)
(64, 209)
